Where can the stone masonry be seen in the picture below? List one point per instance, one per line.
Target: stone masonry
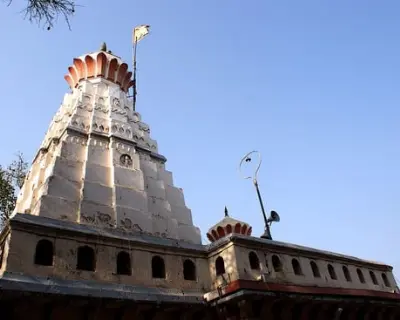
(99, 165)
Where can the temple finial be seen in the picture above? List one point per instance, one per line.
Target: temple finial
(226, 212)
(103, 47)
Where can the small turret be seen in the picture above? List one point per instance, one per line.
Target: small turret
(227, 226)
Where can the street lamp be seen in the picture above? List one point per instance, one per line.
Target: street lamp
(274, 216)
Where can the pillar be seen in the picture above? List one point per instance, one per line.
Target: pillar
(361, 313)
(266, 309)
(352, 313)
(286, 310)
(380, 314)
(371, 314)
(224, 313)
(246, 310)
(305, 311)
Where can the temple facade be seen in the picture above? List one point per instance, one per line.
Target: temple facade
(100, 231)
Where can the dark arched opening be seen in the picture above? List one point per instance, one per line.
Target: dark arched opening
(189, 270)
(385, 280)
(373, 277)
(346, 273)
(296, 267)
(360, 276)
(254, 261)
(124, 263)
(86, 259)
(158, 267)
(277, 264)
(219, 266)
(315, 269)
(44, 253)
(332, 272)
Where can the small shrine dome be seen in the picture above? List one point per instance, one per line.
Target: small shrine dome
(227, 226)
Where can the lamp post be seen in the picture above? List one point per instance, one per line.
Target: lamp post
(274, 217)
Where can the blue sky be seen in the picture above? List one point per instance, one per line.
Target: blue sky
(313, 85)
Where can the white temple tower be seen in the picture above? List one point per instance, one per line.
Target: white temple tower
(97, 163)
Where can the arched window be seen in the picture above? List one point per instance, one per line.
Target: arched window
(189, 270)
(219, 266)
(332, 272)
(373, 277)
(296, 267)
(158, 267)
(44, 253)
(360, 276)
(346, 273)
(254, 261)
(315, 269)
(86, 259)
(124, 263)
(276, 263)
(385, 280)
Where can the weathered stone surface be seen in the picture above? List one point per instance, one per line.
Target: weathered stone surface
(98, 156)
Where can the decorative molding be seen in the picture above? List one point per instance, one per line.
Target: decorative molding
(100, 143)
(99, 65)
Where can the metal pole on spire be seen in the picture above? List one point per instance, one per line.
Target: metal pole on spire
(139, 32)
(134, 77)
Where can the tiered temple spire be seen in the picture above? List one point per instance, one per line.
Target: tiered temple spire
(99, 165)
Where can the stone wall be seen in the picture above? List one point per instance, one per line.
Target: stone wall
(238, 266)
(22, 249)
(214, 268)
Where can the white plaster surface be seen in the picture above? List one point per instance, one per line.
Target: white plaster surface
(89, 169)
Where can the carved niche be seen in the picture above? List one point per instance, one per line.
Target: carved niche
(126, 160)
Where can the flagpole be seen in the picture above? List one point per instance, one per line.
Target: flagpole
(142, 31)
(134, 72)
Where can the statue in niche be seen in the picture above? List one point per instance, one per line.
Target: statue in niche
(116, 103)
(126, 160)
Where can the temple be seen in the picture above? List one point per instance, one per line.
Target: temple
(100, 231)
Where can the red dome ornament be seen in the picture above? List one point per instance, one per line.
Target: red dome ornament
(100, 64)
(228, 226)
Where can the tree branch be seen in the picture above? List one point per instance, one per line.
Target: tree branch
(48, 11)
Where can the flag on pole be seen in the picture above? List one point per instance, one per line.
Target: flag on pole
(140, 32)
